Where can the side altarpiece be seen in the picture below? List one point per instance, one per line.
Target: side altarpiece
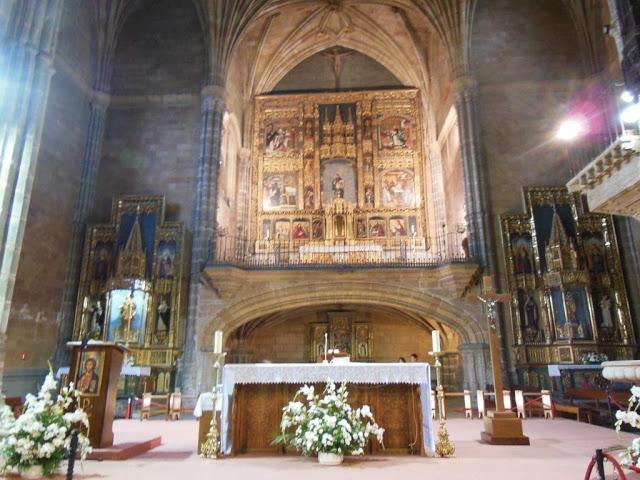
(132, 285)
(568, 297)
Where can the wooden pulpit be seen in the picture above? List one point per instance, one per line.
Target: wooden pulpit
(95, 371)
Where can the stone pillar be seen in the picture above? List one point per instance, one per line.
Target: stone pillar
(476, 364)
(474, 169)
(204, 217)
(28, 46)
(84, 203)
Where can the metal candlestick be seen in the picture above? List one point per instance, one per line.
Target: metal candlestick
(211, 446)
(444, 446)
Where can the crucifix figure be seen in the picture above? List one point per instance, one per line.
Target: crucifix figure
(500, 427)
(335, 54)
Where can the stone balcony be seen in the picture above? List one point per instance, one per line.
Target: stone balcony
(611, 182)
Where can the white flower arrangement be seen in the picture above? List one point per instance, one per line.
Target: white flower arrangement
(631, 456)
(593, 358)
(314, 424)
(41, 435)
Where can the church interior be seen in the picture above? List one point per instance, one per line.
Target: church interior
(207, 204)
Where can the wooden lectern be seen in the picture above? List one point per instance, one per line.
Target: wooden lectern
(95, 371)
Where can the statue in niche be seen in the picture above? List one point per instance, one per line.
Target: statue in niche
(605, 309)
(531, 313)
(164, 317)
(337, 185)
(96, 319)
(127, 313)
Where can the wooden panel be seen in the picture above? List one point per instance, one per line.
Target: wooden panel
(257, 410)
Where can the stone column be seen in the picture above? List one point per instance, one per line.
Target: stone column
(204, 219)
(26, 69)
(476, 363)
(474, 169)
(84, 203)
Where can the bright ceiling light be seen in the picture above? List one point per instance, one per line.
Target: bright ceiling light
(626, 96)
(631, 114)
(570, 129)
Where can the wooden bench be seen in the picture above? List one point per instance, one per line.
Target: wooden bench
(597, 401)
(573, 410)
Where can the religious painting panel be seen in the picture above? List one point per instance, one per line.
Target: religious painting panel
(280, 192)
(397, 188)
(95, 314)
(340, 324)
(281, 136)
(91, 369)
(338, 179)
(166, 258)
(595, 253)
(377, 227)
(361, 227)
(522, 251)
(127, 316)
(301, 230)
(362, 333)
(266, 229)
(557, 304)
(395, 132)
(103, 260)
(317, 334)
(397, 227)
(317, 228)
(283, 229)
(576, 319)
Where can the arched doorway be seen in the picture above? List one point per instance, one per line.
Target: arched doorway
(368, 334)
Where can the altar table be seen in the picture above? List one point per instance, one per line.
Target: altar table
(254, 395)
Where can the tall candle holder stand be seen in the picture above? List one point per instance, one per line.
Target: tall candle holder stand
(211, 446)
(444, 446)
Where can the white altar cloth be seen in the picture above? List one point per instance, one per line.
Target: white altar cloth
(205, 404)
(364, 247)
(301, 373)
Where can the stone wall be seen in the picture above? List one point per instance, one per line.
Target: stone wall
(152, 134)
(38, 289)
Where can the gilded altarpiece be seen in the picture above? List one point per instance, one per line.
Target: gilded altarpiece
(337, 169)
(132, 285)
(567, 290)
(344, 334)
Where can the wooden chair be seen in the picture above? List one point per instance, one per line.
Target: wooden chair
(506, 396)
(547, 404)
(468, 411)
(519, 396)
(174, 406)
(482, 411)
(145, 411)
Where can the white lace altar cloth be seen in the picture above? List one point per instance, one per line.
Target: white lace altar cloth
(301, 373)
(365, 247)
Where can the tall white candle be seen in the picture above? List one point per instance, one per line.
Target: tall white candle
(435, 341)
(326, 341)
(217, 342)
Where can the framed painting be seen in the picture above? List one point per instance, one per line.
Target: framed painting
(281, 136)
(397, 189)
(166, 258)
(90, 372)
(522, 251)
(280, 191)
(317, 228)
(102, 260)
(395, 132)
(397, 227)
(283, 229)
(377, 227)
(301, 230)
(595, 253)
(338, 180)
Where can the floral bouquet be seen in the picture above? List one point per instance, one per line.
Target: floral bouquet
(593, 358)
(41, 436)
(327, 424)
(631, 456)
